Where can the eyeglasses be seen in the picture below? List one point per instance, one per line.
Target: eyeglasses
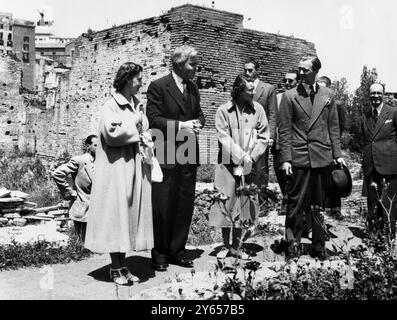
(373, 93)
(304, 70)
(288, 80)
(249, 70)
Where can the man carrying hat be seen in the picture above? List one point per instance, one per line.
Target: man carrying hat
(309, 143)
(379, 127)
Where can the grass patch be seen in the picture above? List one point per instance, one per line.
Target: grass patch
(16, 255)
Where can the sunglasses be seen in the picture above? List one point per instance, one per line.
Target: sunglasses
(249, 70)
(288, 80)
(376, 93)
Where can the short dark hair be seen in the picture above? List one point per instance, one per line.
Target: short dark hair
(315, 62)
(326, 80)
(254, 62)
(239, 86)
(126, 72)
(88, 140)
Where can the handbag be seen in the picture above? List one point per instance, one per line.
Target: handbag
(157, 174)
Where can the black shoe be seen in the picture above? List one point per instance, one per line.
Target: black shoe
(186, 263)
(293, 250)
(319, 254)
(160, 266)
(337, 215)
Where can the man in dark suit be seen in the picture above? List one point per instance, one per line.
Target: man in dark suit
(265, 94)
(174, 114)
(309, 143)
(334, 202)
(379, 128)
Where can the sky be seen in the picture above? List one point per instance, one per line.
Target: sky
(347, 34)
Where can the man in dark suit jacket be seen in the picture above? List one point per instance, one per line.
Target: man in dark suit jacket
(175, 116)
(265, 94)
(309, 142)
(379, 127)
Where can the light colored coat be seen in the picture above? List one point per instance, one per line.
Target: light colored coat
(120, 214)
(81, 168)
(236, 134)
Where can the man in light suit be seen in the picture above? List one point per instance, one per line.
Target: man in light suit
(265, 94)
(173, 107)
(379, 128)
(309, 143)
(81, 169)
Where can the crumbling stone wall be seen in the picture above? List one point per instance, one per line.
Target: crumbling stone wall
(219, 36)
(12, 109)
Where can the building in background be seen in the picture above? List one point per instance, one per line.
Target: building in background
(48, 45)
(17, 38)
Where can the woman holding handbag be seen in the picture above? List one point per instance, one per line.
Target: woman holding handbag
(243, 136)
(120, 213)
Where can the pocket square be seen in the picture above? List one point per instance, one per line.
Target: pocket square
(387, 121)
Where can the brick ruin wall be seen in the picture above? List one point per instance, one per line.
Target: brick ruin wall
(219, 36)
(12, 106)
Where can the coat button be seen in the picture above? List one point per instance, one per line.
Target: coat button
(246, 120)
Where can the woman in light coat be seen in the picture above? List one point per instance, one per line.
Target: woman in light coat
(120, 214)
(243, 135)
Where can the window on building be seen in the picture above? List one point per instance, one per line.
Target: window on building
(9, 37)
(1, 35)
(25, 57)
(26, 39)
(9, 43)
(1, 26)
(25, 47)
(10, 28)
(54, 53)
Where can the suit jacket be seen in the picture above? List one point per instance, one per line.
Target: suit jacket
(166, 107)
(81, 168)
(309, 134)
(380, 142)
(265, 94)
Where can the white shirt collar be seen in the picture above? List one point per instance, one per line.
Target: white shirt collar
(178, 81)
(307, 87)
(177, 78)
(256, 82)
(378, 108)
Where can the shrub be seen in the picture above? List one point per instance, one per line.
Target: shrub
(206, 173)
(200, 231)
(16, 255)
(26, 173)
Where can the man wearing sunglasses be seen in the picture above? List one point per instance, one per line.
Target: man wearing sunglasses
(379, 128)
(265, 94)
(289, 82)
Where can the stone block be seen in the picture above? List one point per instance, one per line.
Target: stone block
(20, 222)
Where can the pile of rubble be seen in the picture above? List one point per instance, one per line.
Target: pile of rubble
(15, 210)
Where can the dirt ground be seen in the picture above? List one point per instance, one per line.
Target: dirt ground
(88, 279)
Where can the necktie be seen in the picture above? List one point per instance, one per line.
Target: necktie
(312, 93)
(184, 88)
(375, 115)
